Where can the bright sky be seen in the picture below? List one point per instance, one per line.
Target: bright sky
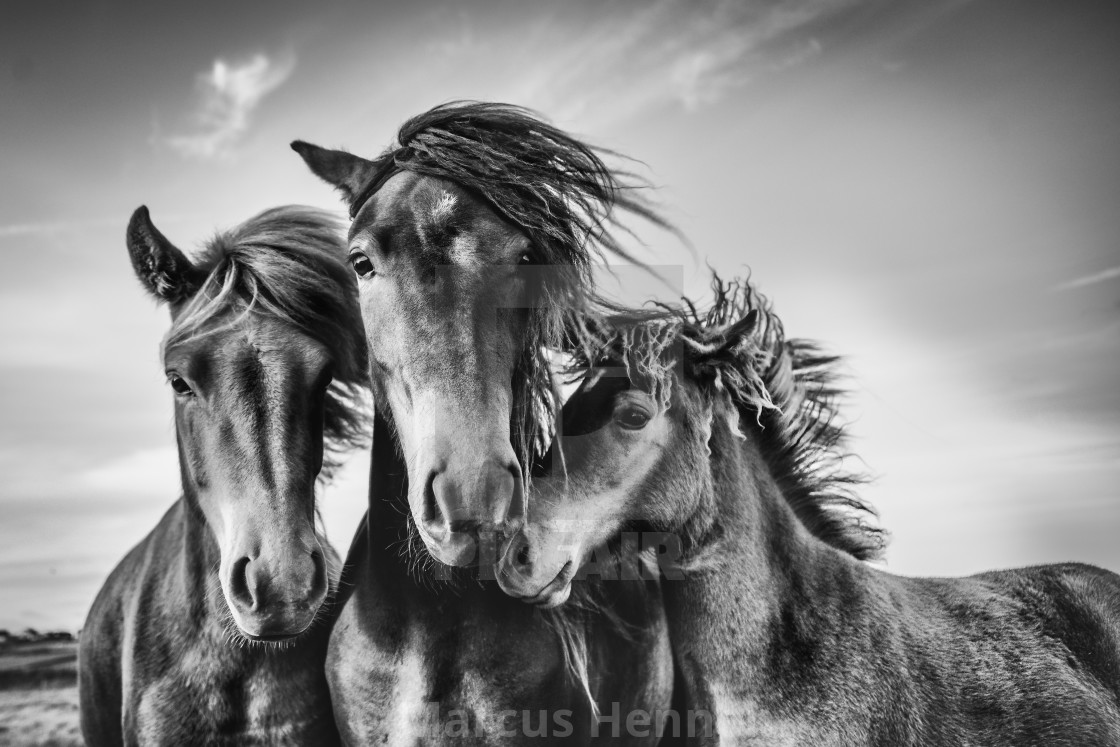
(928, 187)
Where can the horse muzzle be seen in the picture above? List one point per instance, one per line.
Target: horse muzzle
(276, 599)
(523, 574)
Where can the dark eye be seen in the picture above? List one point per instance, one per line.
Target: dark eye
(525, 259)
(361, 264)
(632, 418)
(179, 385)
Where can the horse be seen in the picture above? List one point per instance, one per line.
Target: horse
(714, 428)
(212, 630)
(471, 242)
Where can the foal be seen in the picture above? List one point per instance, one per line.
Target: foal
(715, 428)
(206, 632)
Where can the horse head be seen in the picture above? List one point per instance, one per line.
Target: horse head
(259, 356)
(470, 242)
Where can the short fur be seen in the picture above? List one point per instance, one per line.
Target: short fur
(161, 659)
(554, 188)
(778, 630)
(289, 263)
(413, 658)
(472, 188)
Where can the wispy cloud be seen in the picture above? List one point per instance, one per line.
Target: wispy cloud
(629, 61)
(48, 229)
(227, 96)
(738, 43)
(1112, 273)
(15, 230)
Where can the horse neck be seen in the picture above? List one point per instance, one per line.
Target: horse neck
(759, 568)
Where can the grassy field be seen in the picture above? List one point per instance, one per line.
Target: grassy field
(39, 694)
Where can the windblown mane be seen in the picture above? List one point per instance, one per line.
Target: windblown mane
(790, 388)
(290, 263)
(556, 189)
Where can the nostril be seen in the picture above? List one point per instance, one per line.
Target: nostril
(516, 508)
(522, 556)
(512, 508)
(465, 525)
(319, 580)
(431, 505)
(239, 583)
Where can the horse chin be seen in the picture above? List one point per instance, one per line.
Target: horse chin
(274, 629)
(458, 549)
(269, 640)
(552, 594)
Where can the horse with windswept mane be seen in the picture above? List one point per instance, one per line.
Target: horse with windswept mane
(716, 428)
(212, 629)
(472, 241)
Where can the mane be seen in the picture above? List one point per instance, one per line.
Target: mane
(557, 190)
(789, 388)
(289, 263)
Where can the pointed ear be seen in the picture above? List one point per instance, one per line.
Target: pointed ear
(348, 173)
(739, 331)
(164, 270)
(707, 362)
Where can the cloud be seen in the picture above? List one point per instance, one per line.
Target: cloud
(622, 63)
(738, 42)
(228, 94)
(45, 229)
(1112, 273)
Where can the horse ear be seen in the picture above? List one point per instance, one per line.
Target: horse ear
(346, 172)
(709, 360)
(740, 331)
(164, 270)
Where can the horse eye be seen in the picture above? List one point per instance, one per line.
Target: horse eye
(525, 259)
(632, 418)
(361, 264)
(179, 385)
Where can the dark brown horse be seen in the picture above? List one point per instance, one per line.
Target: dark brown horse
(210, 631)
(472, 241)
(715, 428)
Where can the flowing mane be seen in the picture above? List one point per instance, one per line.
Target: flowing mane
(290, 263)
(556, 189)
(790, 388)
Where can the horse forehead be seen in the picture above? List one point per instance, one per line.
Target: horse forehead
(278, 344)
(446, 223)
(267, 349)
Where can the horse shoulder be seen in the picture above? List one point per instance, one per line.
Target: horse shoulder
(99, 666)
(104, 669)
(365, 664)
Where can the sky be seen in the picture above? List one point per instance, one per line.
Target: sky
(927, 187)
